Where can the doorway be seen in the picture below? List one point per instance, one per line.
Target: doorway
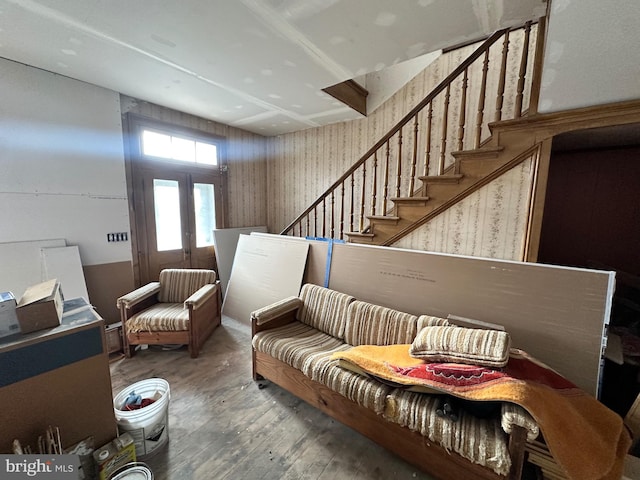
(179, 217)
(592, 220)
(177, 194)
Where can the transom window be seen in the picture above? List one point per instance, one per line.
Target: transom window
(163, 145)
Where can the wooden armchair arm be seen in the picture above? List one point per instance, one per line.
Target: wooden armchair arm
(200, 296)
(275, 315)
(138, 295)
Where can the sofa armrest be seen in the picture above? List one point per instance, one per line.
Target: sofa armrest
(200, 296)
(514, 415)
(138, 295)
(275, 315)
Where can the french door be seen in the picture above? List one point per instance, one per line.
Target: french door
(180, 211)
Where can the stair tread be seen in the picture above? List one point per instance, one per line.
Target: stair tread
(454, 177)
(478, 152)
(409, 199)
(360, 234)
(383, 217)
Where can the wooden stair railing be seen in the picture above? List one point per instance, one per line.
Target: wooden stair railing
(420, 145)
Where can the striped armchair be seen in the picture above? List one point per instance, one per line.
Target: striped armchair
(183, 307)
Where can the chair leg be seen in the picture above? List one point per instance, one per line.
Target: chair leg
(128, 350)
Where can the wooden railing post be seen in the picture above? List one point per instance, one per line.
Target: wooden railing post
(536, 76)
(463, 110)
(374, 187)
(363, 193)
(481, 100)
(427, 153)
(351, 209)
(443, 139)
(341, 211)
(386, 181)
(502, 78)
(414, 156)
(399, 165)
(524, 59)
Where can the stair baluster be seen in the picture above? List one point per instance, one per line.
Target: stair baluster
(463, 110)
(399, 164)
(386, 180)
(341, 212)
(502, 78)
(523, 71)
(374, 186)
(445, 122)
(414, 156)
(481, 100)
(363, 197)
(427, 153)
(351, 209)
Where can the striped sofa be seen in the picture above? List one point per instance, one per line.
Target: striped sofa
(293, 341)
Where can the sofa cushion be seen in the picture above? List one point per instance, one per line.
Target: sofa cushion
(369, 324)
(480, 441)
(294, 343)
(489, 348)
(364, 391)
(324, 309)
(161, 317)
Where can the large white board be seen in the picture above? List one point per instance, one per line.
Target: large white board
(64, 264)
(225, 241)
(264, 271)
(21, 264)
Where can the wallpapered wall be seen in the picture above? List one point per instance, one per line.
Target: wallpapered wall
(302, 165)
(245, 156)
(488, 223)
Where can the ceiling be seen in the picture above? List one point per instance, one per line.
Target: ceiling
(259, 65)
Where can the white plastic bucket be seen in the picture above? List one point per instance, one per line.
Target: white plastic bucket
(149, 426)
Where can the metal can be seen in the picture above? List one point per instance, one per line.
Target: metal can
(133, 471)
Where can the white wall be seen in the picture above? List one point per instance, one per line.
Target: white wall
(61, 163)
(592, 55)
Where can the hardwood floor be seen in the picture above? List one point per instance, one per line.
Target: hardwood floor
(222, 425)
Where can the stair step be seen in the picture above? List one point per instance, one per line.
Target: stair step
(410, 200)
(359, 234)
(478, 153)
(449, 178)
(384, 218)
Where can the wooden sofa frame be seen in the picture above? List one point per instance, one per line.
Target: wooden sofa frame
(408, 445)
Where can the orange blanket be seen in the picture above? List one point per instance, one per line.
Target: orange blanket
(586, 439)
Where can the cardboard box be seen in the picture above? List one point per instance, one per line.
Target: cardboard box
(8, 318)
(40, 307)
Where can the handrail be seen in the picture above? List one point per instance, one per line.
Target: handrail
(439, 88)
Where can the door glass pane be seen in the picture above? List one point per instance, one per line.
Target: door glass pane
(166, 201)
(204, 203)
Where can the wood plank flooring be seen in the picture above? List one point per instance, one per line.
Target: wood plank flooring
(222, 425)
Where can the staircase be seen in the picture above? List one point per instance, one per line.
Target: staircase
(412, 174)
